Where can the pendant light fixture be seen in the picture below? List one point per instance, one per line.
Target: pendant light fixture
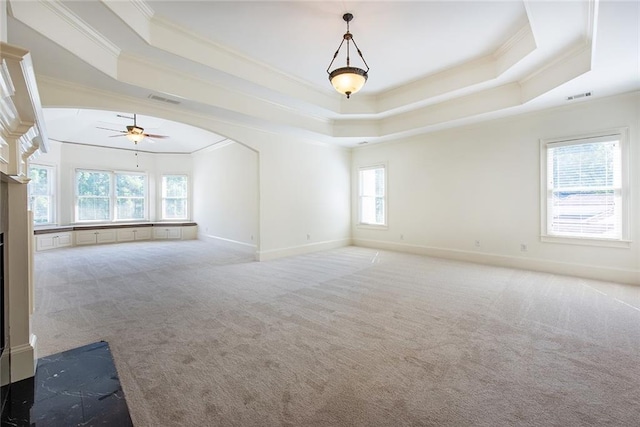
(348, 80)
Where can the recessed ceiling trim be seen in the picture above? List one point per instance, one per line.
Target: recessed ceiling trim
(570, 64)
(158, 78)
(135, 13)
(518, 46)
(173, 38)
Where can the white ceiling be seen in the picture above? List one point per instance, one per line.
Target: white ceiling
(89, 127)
(434, 64)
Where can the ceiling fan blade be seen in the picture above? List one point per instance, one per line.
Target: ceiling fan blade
(112, 130)
(116, 136)
(151, 135)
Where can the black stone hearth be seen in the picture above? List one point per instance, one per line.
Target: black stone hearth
(75, 387)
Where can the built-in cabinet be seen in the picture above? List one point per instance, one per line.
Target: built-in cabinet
(93, 237)
(131, 234)
(167, 232)
(54, 241)
(52, 238)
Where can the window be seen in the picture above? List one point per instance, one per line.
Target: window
(131, 190)
(372, 206)
(174, 197)
(107, 196)
(40, 190)
(585, 197)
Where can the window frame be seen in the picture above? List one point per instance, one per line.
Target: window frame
(145, 198)
(360, 223)
(622, 135)
(52, 186)
(113, 196)
(187, 197)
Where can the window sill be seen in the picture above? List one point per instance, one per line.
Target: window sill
(587, 241)
(372, 226)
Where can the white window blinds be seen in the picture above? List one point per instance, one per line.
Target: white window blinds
(584, 188)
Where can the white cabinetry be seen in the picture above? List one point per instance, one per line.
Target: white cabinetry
(131, 234)
(91, 237)
(57, 237)
(160, 232)
(53, 240)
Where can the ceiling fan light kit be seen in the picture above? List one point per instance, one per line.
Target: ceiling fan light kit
(134, 133)
(348, 80)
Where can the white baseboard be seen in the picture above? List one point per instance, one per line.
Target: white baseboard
(302, 249)
(548, 266)
(229, 243)
(23, 360)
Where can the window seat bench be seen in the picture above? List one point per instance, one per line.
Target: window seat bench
(52, 237)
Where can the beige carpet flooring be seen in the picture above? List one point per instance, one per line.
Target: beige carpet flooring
(203, 336)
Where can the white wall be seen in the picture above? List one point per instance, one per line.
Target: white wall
(66, 158)
(303, 193)
(448, 189)
(304, 196)
(304, 186)
(225, 194)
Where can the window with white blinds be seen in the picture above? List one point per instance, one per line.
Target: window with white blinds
(584, 196)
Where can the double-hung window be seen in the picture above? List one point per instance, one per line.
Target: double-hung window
(131, 191)
(372, 196)
(41, 194)
(174, 197)
(110, 196)
(585, 194)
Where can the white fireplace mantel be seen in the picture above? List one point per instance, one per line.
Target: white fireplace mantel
(22, 137)
(22, 128)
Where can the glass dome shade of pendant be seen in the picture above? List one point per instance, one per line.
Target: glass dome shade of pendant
(348, 80)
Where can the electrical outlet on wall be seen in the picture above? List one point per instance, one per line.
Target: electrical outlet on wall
(523, 247)
(477, 243)
(308, 236)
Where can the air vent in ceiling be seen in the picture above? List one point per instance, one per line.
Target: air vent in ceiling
(578, 96)
(163, 99)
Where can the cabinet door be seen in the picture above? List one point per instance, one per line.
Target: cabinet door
(45, 241)
(106, 236)
(143, 233)
(86, 237)
(64, 239)
(174, 233)
(126, 234)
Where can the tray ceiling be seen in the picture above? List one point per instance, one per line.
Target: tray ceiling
(434, 64)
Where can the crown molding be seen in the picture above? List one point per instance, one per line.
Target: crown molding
(170, 37)
(137, 14)
(155, 77)
(569, 64)
(64, 94)
(447, 82)
(55, 21)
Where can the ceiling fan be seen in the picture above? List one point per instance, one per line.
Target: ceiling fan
(134, 133)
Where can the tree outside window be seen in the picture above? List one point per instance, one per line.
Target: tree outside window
(130, 196)
(106, 196)
(41, 200)
(174, 197)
